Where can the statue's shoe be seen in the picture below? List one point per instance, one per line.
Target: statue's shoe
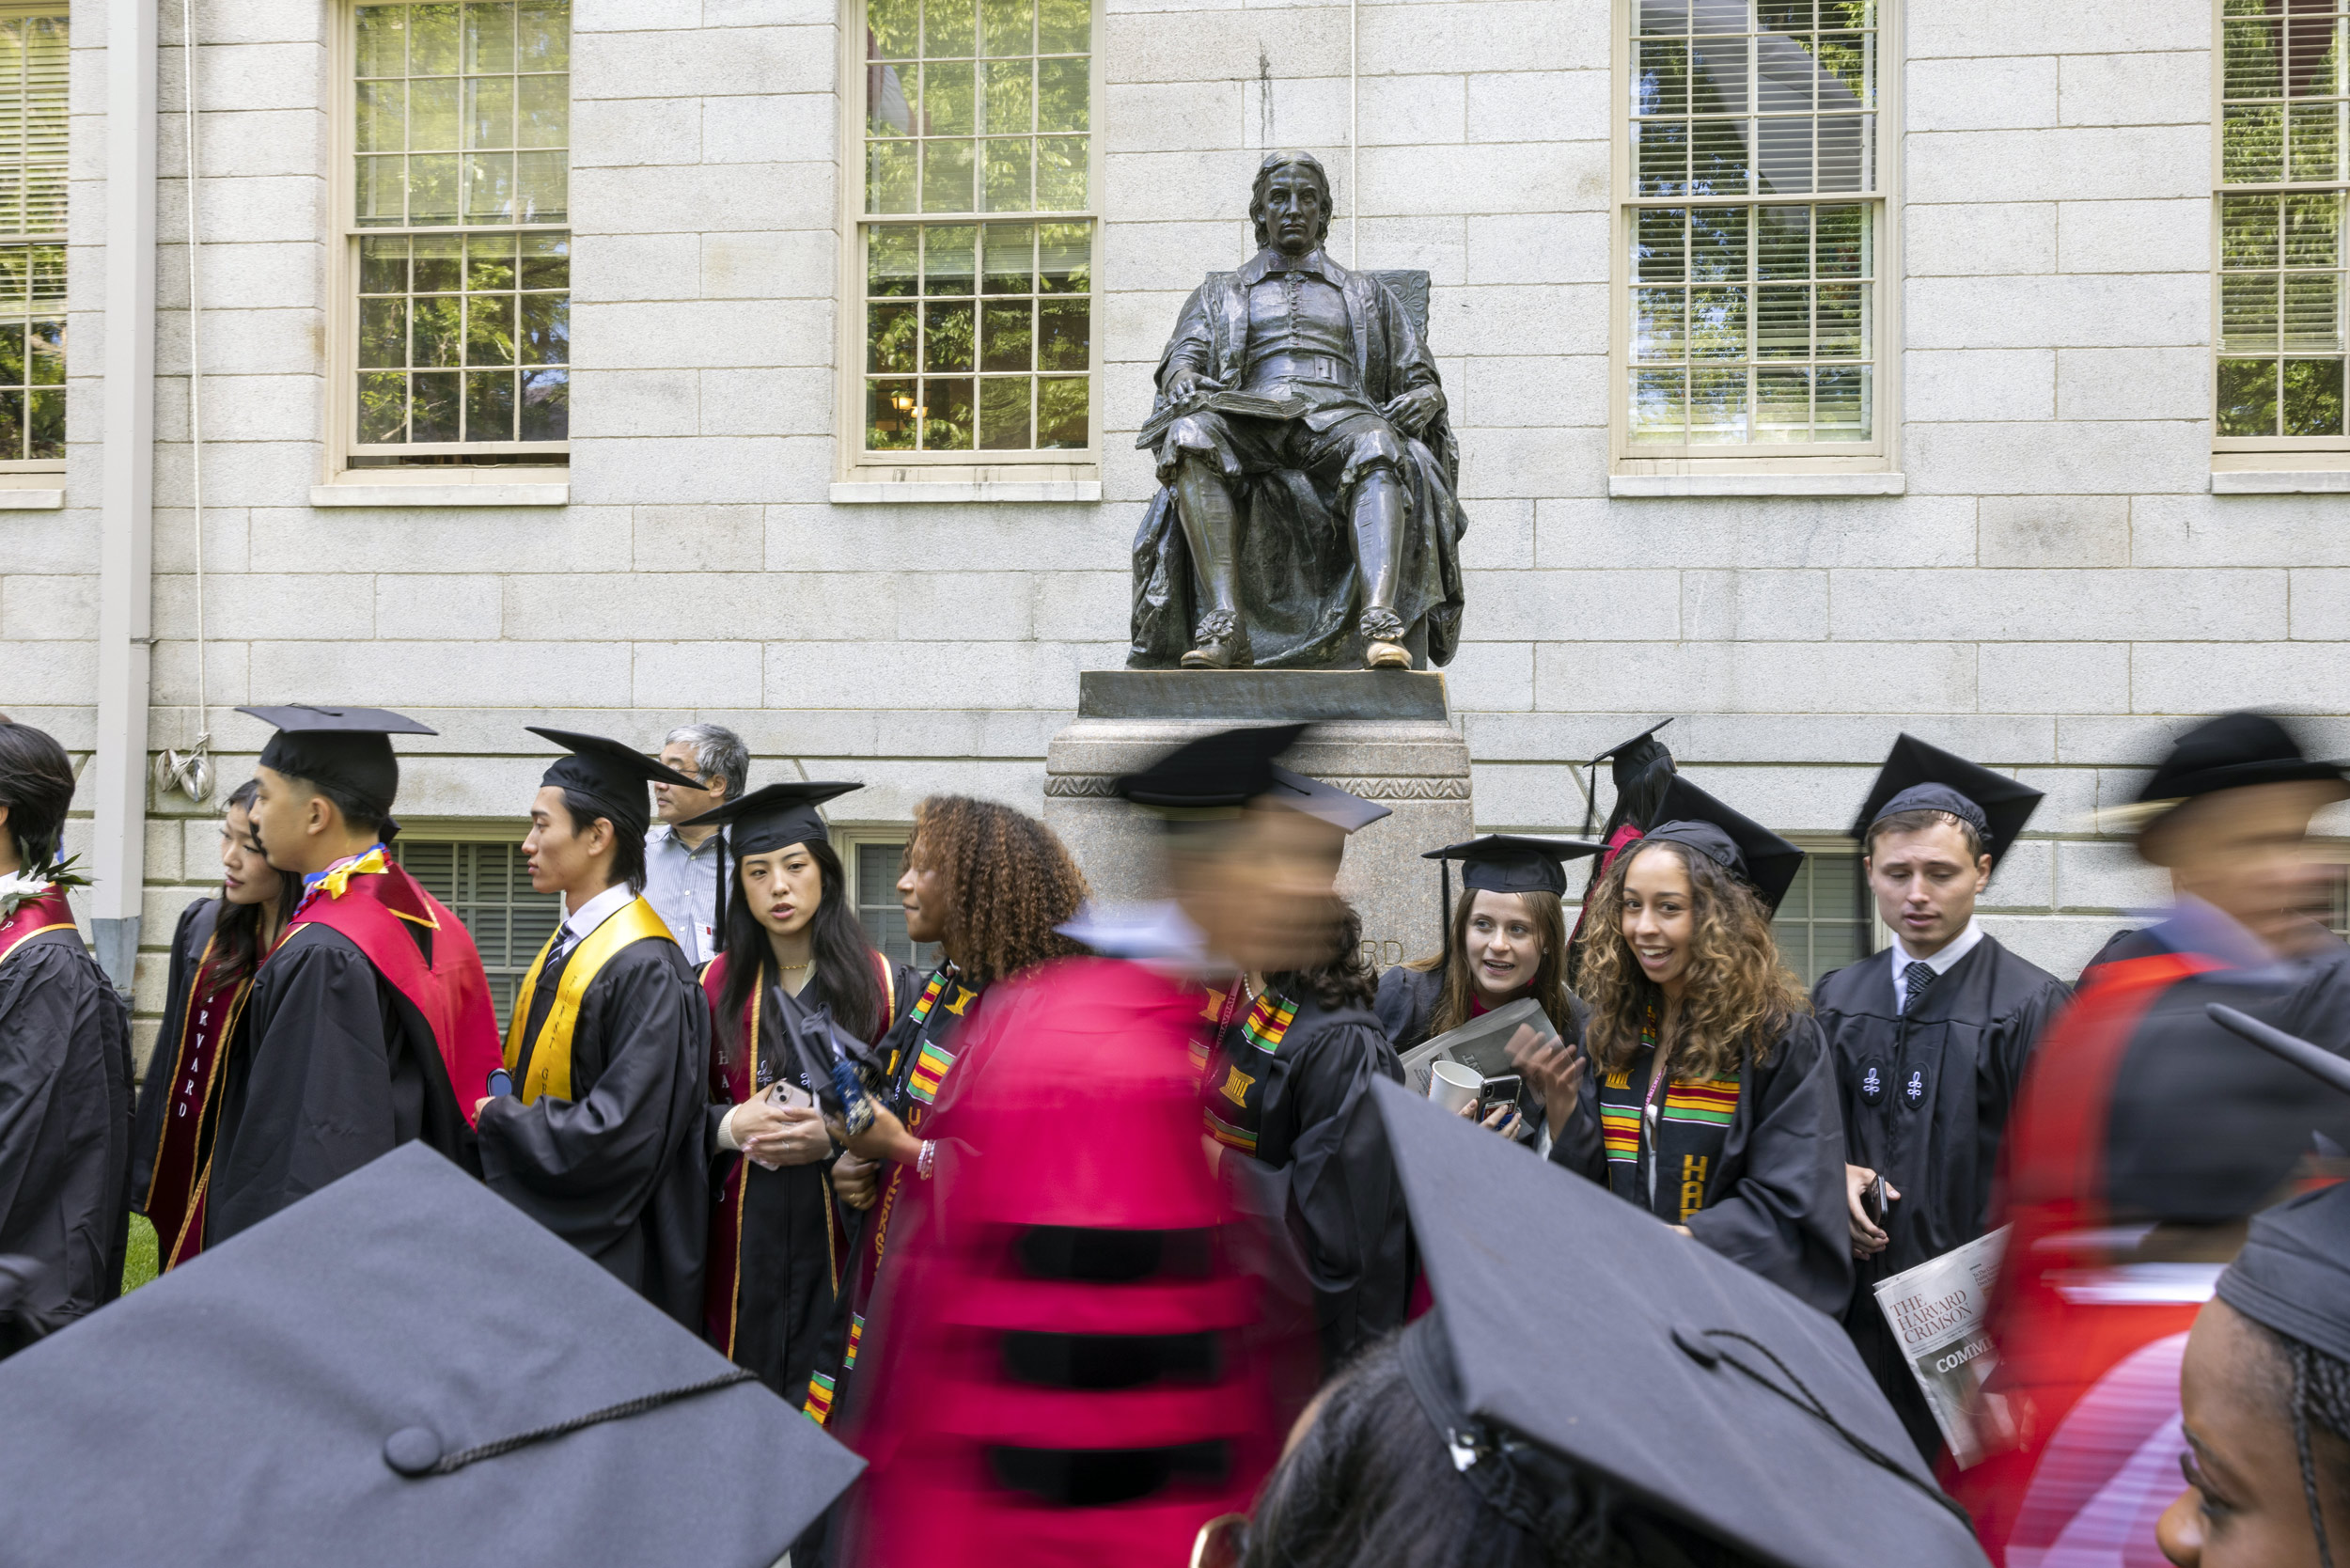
(1221, 643)
(1383, 640)
(1387, 655)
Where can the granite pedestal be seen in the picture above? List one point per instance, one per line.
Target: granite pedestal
(1386, 735)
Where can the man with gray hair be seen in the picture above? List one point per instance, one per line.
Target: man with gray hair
(681, 863)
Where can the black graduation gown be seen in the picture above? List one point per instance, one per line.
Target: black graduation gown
(2120, 945)
(1774, 1200)
(1406, 1010)
(1308, 1106)
(195, 930)
(1925, 1098)
(794, 1233)
(330, 1068)
(64, 1126)
(619, 1170)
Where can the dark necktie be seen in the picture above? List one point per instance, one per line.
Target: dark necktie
(1915, 980)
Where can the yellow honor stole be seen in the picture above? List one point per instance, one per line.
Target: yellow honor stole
(551, 1053)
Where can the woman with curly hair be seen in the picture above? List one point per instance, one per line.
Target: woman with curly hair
(989, 885)
(1716, 1104)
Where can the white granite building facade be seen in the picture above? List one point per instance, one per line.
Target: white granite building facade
(2026, 475)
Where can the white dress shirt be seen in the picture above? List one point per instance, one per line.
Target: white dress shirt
(1941, 962)
(581, 923)
(681, 885)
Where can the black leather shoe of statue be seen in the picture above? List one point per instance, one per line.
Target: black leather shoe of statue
(1219, 642)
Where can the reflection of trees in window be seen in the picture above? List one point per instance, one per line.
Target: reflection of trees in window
(2279, 358)
(978, 333)
(33, 63)
(1752, 318)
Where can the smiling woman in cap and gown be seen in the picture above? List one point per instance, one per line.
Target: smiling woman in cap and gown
(1931, 1038)
(1290, 1049)
(1739, 1145)
(608, 1051)
(790, 945)
(64, 1066)
(370, 1024)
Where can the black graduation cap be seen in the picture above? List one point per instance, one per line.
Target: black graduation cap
(1694, 818)
(1510, 863)
(1921, 777)
(2292, 1276)
(765, 820)
(409, 1367)
(1704, 1393)
(1638, 768)
(2231, 752)
(342, 748)
(1217, 775)
(611, 773)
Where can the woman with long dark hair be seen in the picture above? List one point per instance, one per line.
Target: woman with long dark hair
(793, 949)
(1714, 1107)
(218, 945)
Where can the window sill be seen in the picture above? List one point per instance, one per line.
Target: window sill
(961, 491)
(13, 499)
(382, 488)
(1717, 482)
(2281, 481)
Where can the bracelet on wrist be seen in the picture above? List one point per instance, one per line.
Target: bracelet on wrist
(927, 1160)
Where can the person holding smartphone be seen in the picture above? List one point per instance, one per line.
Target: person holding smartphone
(792, 945)
(1715, 1101)
(1506, 939)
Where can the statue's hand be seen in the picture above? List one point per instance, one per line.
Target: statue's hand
(1184, 383)
(1414, 411)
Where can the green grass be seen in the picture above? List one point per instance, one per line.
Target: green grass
(141, 1261)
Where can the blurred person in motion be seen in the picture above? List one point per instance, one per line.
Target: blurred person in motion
(64, 1066)
(215, 951)
(369, 1023)
(601, 1138)
(1715, 1105)
(2265, 1387)
(792, 947)
(990, 887)
(2146, 1135)
(1074, 1356)
(1930, 1038)
(1251, 851)
(1506, 941)
(685, 877)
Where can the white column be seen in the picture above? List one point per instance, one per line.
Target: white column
(126, 546)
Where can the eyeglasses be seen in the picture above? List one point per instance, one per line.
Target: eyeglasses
(1221, 1542)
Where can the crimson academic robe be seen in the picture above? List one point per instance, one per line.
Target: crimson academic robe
(351, 1045)
(615, 1166)
(1753, 1164)
(1288, 1083)
(64, 1120)
(2144, 1133)
(178, 1101)
(1925, 1096)
(779, 1240)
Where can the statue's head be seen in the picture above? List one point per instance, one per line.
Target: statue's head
(1290, 203)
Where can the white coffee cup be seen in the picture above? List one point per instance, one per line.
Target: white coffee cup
(1453, 1086)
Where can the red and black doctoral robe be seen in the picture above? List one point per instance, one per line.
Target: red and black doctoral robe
(369, 1025)
(178, 1104)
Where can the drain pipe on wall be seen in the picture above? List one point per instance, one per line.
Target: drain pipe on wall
(127, 526)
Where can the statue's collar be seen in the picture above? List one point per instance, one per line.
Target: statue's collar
(1270, 260)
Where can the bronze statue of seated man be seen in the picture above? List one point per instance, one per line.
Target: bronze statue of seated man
(1300, 436)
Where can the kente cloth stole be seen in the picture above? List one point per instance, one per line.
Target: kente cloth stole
(551, 1053)
(1689, 1129)
(175, 1190)
(33, 917)
(1232, 1094)
(822, 1390)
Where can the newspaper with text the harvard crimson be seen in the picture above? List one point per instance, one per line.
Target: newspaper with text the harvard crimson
(1937, 1312)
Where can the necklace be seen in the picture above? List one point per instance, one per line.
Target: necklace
(794, 968)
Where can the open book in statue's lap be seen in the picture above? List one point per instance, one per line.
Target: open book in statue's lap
(1307, 515)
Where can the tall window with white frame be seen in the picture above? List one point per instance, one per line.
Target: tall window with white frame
(978, 231)
(1753, 228)
(33, 60)
(2283, 94)
(459, 252)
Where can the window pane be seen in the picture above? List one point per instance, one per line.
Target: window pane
(32, 203)
(889, 415)
(546, 261)
(1064, 335)
(1004, 413)
(2247, 396)
(489, 405)
(438, 301)
(1062, 412)
(946, 416)
(2313, 397)
(1660, 251)
(1010, 105)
